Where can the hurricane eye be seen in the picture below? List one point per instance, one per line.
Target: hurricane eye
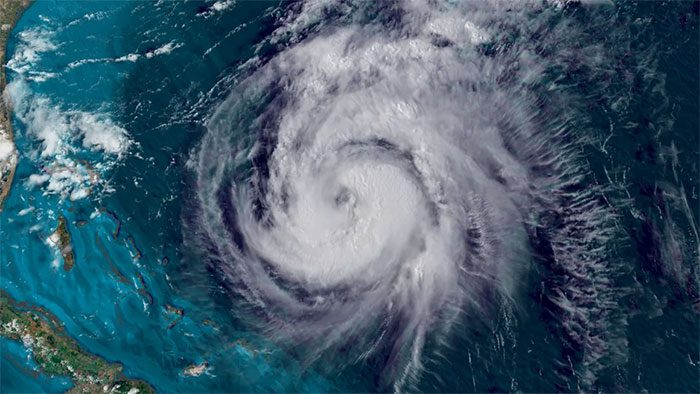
(344, 198)
(406, 180)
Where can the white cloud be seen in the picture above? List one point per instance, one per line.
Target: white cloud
(219, 6)
(80, 193)
(63, 135)
(37, 179)
(101, 133)
(7, 148)
(164, 50)
(57, 129)
(32, 44)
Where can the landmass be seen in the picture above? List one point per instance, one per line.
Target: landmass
(57, 354)
(10, 11)
(195, 370)
(176, 314)
(61, 240)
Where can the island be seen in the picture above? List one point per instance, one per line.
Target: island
(195, 370)
(10, 11)
(57, 354)
(171, 310)
(61, 240)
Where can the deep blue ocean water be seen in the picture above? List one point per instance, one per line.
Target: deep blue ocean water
(130, 262)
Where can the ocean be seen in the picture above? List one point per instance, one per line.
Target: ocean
(127, 114)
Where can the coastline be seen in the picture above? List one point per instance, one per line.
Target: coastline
(40, 332)
(10, 12)
(57, 354)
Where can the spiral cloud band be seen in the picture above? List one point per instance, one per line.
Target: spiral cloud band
(392, 170)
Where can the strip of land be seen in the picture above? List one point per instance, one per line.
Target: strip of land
(57, 354)
(10, 11)
(61, 240)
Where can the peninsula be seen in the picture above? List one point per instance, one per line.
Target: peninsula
(10, 11)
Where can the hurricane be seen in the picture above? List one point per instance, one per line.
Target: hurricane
(384, 172)
(349, 196)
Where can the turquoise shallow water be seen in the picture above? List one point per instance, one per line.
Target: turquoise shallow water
(113, 302)
(156, 70)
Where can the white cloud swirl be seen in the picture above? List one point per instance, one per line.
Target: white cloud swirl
(386, 173)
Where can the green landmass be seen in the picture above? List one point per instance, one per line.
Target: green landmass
(58, 354)
(10, 11)
(62, 240)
